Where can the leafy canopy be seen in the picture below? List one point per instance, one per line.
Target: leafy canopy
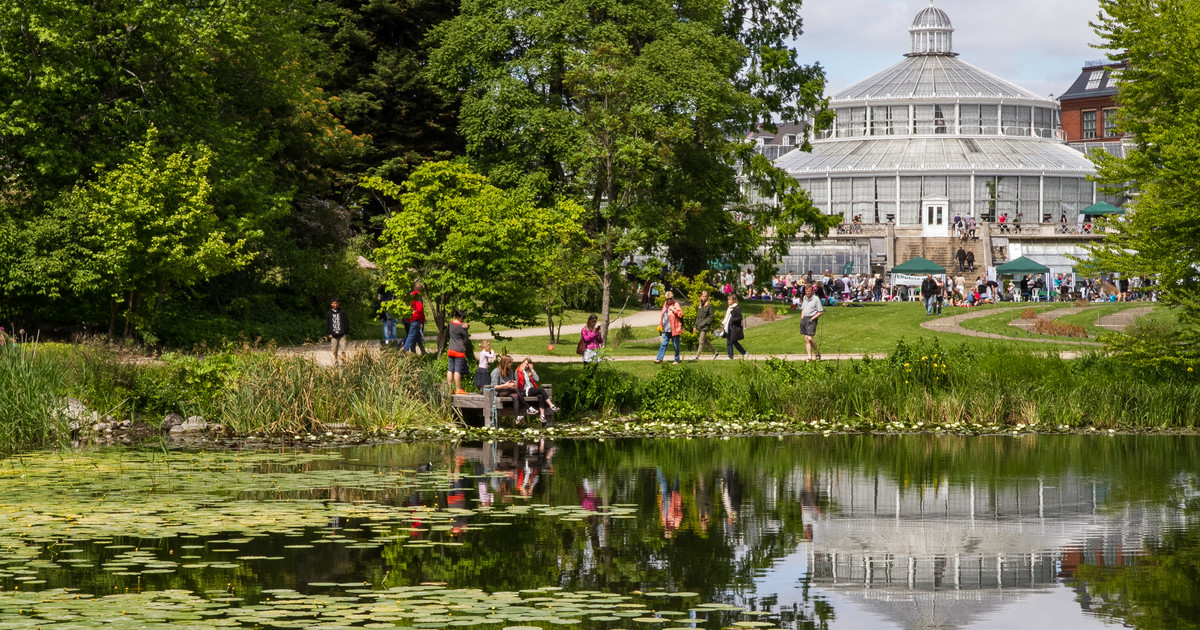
(1160, 109)
(149, 225)
(638, 110)
(473, 246)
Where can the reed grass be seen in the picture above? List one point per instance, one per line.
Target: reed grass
(916, 383)
(32, 412)
(370, 392)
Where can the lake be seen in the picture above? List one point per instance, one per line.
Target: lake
(841, 531)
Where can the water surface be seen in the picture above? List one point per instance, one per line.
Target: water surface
(753, 533)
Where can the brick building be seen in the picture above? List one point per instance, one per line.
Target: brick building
(1089, 109)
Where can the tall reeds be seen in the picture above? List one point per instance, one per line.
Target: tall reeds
(371, 392)
(32, 410)
(923, 383)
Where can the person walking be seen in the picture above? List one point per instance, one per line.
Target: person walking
(961, 257)
(456, 353)
(592, 340)
(416, 323)
(703, 327)
(971, 261)
(929, 293)
(810, 311)
(671, 325)
(337, 327)
(389, 322)
(733, 327)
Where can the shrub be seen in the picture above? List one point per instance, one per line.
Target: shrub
(621, 335)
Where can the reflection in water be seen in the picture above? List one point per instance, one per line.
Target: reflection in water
(925, 532)
(838, 532)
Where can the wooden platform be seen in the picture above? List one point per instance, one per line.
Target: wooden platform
(494, 406)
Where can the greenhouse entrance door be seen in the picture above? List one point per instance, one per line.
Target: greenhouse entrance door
(934, 217)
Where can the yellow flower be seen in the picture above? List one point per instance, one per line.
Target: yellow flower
(924, 358)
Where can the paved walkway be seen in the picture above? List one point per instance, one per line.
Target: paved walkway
(319, 353)
(1124, 319)
(1117, 321)
(636, 319)
(953, 325)
(1029, 324)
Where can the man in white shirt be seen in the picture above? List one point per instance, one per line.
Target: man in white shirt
(810, 310)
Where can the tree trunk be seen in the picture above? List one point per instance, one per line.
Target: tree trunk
(439, 320)
(550, 321)
(606, 258)
(112, 317)
(128, 316)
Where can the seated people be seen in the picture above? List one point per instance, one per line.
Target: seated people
(533, 395)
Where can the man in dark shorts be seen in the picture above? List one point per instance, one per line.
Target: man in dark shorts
(810, 310)
(456, 353)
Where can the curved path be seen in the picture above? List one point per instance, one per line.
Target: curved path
(1117, 321)
(953, 325)
(1122, 320)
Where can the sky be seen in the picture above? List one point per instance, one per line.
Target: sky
(1040, 45)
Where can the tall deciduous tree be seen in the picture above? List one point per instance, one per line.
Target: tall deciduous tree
(1160, 109)
(83, 80)
(473, 246)
(148, 226)
(638, 109)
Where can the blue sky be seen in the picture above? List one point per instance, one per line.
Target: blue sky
(1038, 44)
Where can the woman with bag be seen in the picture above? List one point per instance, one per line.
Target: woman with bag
(670, 325)
(590, 341)
(733, 327)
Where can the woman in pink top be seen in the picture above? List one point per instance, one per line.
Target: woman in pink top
(592, 340)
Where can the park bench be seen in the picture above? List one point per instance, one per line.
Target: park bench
(492, 406)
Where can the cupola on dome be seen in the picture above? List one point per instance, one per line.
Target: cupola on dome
(931, 33)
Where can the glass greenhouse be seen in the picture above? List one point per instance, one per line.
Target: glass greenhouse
(935, 127)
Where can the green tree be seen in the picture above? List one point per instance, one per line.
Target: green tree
(149, 226)
(377, 87)
(473, 246)
(84, 80)
(1160, 110)
(639, 111)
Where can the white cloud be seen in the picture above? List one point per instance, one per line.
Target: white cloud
(1037, 44)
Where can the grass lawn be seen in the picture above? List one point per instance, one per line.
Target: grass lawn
(872, 328)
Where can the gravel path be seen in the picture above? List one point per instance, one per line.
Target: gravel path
(1120, 321)
(1028, 324)
(954, 325)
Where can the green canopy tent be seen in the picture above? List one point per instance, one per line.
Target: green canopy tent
(909, 274)
(1100, 208)
(1022, 267)
(1026, 267)
(918, 266)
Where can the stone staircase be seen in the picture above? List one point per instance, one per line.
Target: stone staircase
(942, 250)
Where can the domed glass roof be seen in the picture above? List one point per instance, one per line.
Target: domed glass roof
(932, 17)
(935, 76)
(890, 155)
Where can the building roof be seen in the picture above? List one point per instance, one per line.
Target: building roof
(935, 154)
(931, 17)
(1097, 79)
(942, 77)
(782, 131)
